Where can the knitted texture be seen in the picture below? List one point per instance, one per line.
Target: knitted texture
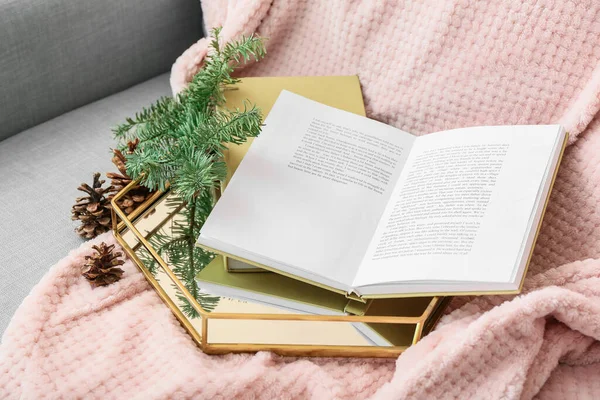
(423, 67)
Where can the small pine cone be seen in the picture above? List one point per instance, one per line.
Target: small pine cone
(137, 194)
(102, 267)
(92, 210)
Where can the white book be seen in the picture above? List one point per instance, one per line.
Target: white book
(358, 206)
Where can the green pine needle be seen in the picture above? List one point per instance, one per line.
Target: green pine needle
(179, 137)
(181, 145)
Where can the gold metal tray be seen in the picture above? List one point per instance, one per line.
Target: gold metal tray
(224, 325)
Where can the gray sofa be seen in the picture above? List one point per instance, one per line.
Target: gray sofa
(69, 72)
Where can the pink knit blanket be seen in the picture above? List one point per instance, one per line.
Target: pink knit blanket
(424, 66)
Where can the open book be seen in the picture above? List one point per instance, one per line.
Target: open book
(357, 206)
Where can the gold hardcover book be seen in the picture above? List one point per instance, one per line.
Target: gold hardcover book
(342, 92)
(329, 197)
(278, 290)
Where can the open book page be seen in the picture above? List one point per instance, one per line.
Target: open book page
(310, 191)
(461, 208)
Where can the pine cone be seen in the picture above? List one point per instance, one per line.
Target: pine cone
(102, 267)
(134, 197)
(92, 210)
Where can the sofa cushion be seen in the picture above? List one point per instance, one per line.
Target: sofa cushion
(40, 170)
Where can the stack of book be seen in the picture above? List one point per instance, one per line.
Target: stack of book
(328, 212)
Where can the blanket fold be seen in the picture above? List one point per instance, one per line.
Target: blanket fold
(491, 347)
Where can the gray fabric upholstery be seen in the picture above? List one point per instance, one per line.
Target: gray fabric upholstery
(56, 55)
(40, 170)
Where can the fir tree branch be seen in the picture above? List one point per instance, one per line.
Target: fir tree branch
(179, 138)
(181, 144)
